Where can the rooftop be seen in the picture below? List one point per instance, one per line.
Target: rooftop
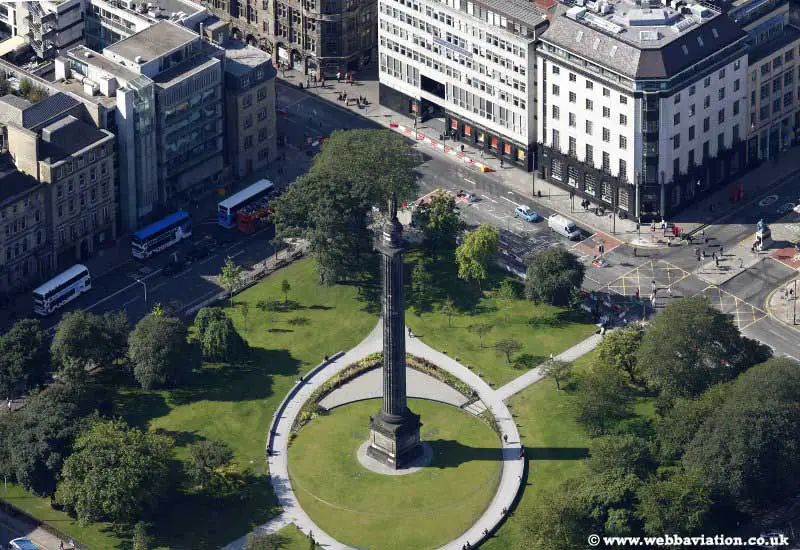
(790, 34)
(66, 137)
(91, 57)
(241, 58)
(12, 181)
(642, 43)
(525, 12)
(32, 115)
(184, 70)
(153, 42)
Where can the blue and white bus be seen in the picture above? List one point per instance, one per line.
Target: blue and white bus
(61, 289)
(226, 212)
(161, 234)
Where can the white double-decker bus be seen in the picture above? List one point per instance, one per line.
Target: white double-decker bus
(61, 289)
(161, 234)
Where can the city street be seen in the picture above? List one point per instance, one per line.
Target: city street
(306, 119)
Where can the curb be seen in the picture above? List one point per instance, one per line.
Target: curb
(772, 315)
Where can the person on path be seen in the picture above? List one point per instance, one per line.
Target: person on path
(505, 438)
(669, 291)
(637, 293)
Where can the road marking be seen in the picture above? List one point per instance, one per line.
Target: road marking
(237, 254)
(489, 199)
(209, 259)
(184, 272)
(129, 302)
(509, 200)
(470, 181)
(107, 298)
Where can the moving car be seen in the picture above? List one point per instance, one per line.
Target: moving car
(564, 226)
(198, 252)
(526, 213)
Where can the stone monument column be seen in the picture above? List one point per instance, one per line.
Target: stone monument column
(394, 437)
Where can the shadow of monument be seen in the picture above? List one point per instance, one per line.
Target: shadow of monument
(556, 453)
(448, 453)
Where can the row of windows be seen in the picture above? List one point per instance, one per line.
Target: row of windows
(22, 246)
(764, 111)
(774, 64)
(76, 230)
(573, 97)
(676, 139)
(81, 160)
(70, 184)
(261, 95)
(486, 109)
(20, 224)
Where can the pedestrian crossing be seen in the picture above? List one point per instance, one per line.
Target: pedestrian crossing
(475, 408)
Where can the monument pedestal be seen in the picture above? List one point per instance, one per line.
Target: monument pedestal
(394, 440)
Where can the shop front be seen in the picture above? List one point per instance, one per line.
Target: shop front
(512, 152)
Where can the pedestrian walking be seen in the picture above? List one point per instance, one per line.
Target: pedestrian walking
(634, 251)
(669, 291)
(720, 251)
(501, 162)
(505, 438)
(9, 404)
(637, 293)
(716, 262)
(481, 153)
(339, 76)
(741, 263)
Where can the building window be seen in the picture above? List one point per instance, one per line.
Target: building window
(721, 94)
(589, 127)
(573, 146)
(623, 120)
(677, 98)
(606, 112)
(555, 90)
(573, 98)
(248, 121)
(691, 110)
(623, 170)
(623, 99)
(676, 168)
(691, 132)
(606, 162)
(736, 84)
(735, 133)
(720, 142)
(707, 82)
(555, 141)
(606, 134)
(589, 84)
(606, 92)
(692, 89)
(721, 116)
(93, 174)
(623, 142)
(247, 100)
(263, 154)
(676, 141)
(589, 105)
(556, 70)
(556, 112)
(573, 77)
(262, 93)
(589, 159)
(676, 119)
(706, 124)
(736, 107)
(707, 102)
(572, 120)
(248, 142)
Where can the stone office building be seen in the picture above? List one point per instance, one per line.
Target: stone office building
(641, 109)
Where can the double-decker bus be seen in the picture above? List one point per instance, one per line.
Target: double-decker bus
(227, 210)
(61, 289)
(161, 234)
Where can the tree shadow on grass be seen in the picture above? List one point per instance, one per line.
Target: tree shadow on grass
(320, 307)
(139, 407)
(199, 521)
(181, 438)
(245, 381)
(556, 453)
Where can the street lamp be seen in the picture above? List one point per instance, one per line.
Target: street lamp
(141, 282)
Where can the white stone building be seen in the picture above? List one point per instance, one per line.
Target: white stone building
(638, 108)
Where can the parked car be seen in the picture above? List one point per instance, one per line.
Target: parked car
(526, 213)
(470, 197)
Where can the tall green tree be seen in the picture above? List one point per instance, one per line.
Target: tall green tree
(626, 452)
(559, 370)
(441, 222)
(422, 286)
(748, 447)
(603, 399)
(675, 501)
(677, 425)
(448, 307)
(206, 459)
(217, 336)
(159, 352)
(24, 358)
(331, 205)
(477, 252)
(691, 346)
(89, 337)
(552, 274)
(286, 288)
(619, 348)
(231, 276)
(506, 295)
(43, 435)
(116, 473)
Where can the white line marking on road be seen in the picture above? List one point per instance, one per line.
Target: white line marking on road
(209, 259)
(129, 302)
(238, 253)
(489, 199)
(470, 181)
(120, 291)
(184, 272)
(509, 200)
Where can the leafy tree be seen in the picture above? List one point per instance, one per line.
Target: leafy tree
(441, 222)
(266, 541)
(690, 346)
(218, 338)
(506, 295)
(552, 274)
(206, 458)
(231, 276)
(159, 352)
(626, 452)
(421, 286)
(481, 329)
(331, 206)
(116, 473)
(675, 501)
(748, 446)
(37, 94)
(43, 435)
(25, 87)
(557, 369)
(285, 288)
(158, 310)
(603, 400)
(89, 337)
(678, 425)
(141, 539)
(507, 347)
(5, 87)
(245, 307)
(448, 307)
(475, 254)
(24, 358)
(73, 372)
(618, 350)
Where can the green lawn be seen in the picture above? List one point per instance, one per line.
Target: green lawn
(234, 404)
(555, 445)
(541, 329)
(368, 510)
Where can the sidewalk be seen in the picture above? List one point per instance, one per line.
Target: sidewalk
(18, 526)
(782, 304)
(713, 207)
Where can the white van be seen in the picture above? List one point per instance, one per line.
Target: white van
(563, 226)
